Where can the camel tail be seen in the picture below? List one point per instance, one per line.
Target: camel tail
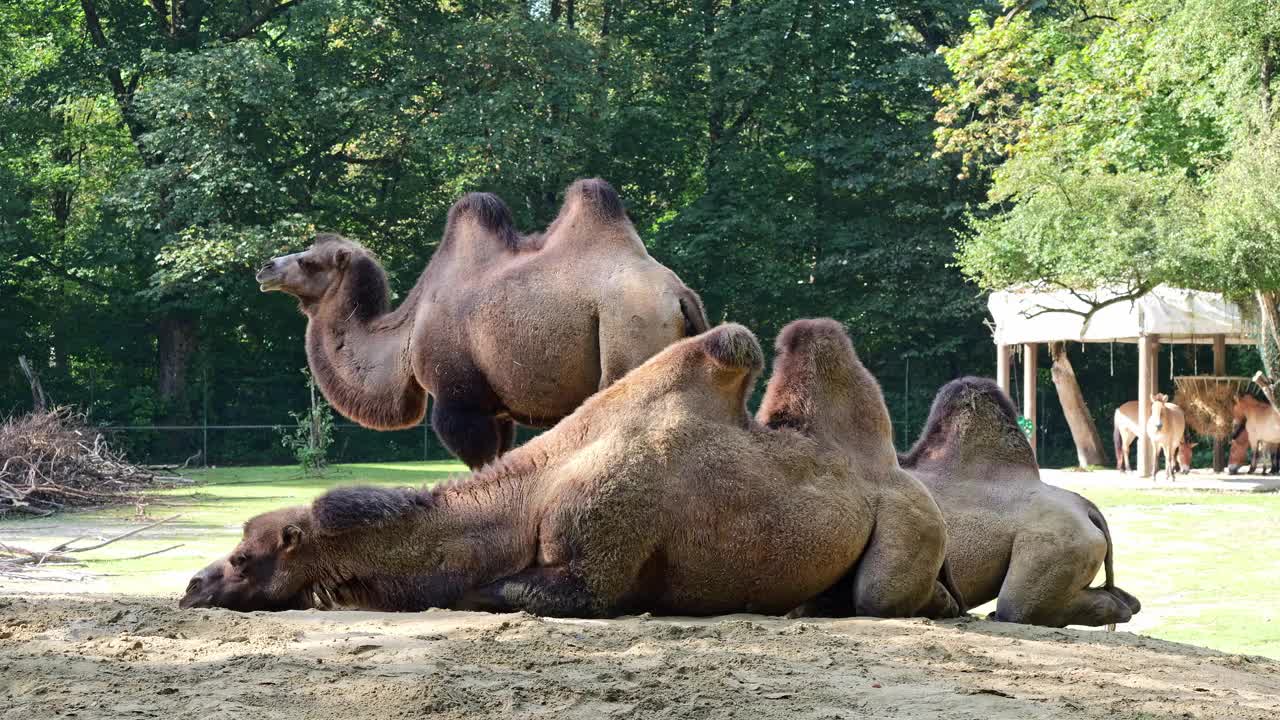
(695, 317)
(1100, 522)
(949, 583)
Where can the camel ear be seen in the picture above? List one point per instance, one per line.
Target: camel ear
(290, 538)
(341, 257)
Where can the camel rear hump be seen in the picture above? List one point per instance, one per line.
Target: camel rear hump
(820, 387)
(593, 214)
(971, 418)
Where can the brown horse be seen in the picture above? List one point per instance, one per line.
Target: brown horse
(1166, 428)
(1263, 426)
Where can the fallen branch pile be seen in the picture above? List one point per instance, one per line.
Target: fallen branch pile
(51, 460)
(15, 560)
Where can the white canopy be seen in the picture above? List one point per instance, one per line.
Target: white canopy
(1175, 314)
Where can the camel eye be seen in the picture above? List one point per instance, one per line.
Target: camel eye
(239, 559)
(308, 265)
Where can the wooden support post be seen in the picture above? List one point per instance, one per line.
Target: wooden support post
(1148, 350)
(1004, 354)
(1030, 366)
(1220, 370)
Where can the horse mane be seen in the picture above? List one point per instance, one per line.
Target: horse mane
(490, 212)
(969, 414)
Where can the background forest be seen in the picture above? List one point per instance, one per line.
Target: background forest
(787, 158)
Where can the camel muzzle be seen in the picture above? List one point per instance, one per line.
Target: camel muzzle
(269, 276)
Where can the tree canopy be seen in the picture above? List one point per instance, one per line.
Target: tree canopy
(778, 154)
(1128, 143)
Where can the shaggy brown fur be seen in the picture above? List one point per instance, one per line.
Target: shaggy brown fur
(1032, 546)
(500, 328)
(659, 494)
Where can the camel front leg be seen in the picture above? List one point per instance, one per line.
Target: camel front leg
(547, 591)
(897, 575)
(473, 436)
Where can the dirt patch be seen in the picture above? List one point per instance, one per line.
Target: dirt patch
(87, 658)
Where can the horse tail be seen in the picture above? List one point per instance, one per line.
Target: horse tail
(695, 316)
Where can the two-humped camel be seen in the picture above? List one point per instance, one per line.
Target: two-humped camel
(500, 328)
(1032, 547)
(660, 493)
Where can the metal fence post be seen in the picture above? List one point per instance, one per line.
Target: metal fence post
(204, 415)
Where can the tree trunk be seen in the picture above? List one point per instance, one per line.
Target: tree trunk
(39, 402)
(1269, 342)
(1074, 408)
(176, 344)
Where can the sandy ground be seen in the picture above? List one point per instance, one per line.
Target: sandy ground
(75, 656)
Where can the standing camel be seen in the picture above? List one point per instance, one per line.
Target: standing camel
(500, 328)
(1263, 423)
(1166, 429)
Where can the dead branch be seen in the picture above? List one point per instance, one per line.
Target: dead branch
(53, 460)
(66, 547)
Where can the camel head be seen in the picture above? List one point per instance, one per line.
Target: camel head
(298, 558)
(262, 573)
(331, 264)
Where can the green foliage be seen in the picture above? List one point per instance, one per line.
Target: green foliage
(309, 440)
(1126, 141)
(777, 154)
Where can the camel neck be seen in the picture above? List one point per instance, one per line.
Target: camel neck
(360, 357)
(473, 532)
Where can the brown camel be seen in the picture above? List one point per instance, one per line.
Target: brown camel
(660, 493)
(1032, 546)
(499, 328)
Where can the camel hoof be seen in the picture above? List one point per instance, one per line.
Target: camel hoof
(1111, 627)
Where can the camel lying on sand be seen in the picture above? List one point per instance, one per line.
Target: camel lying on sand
(1032, 546)
(659, 494)
(1166, 428)
(500, 328)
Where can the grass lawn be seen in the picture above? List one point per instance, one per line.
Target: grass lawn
(1205, 565)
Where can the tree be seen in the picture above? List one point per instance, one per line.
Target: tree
(1129, 144)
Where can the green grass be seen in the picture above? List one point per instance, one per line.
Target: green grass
(1205, 565)
(212, 514)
